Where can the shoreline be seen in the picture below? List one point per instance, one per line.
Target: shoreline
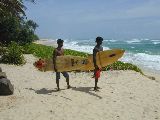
(46, 42)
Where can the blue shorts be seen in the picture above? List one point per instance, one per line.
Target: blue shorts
(65, 74)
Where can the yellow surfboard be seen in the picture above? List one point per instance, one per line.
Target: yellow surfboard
(71, 63)
(104, 58)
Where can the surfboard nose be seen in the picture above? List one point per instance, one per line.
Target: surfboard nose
(123, 51)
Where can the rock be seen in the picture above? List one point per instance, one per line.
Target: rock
(0, 69)
(6, 88)
(3, 75)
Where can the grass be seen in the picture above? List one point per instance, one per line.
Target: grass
(43, 51)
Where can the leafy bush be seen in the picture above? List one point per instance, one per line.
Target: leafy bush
(75, 53)
(44, 51)
(123, 66)
(35, 37)
(2, 50)
(9, 29)
(25, 36)
(13, 55)
(38, 50)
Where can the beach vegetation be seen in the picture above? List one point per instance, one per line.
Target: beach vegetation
(75, 53)
(43, 51)
(123, 66)
(13, 54)
(38, 50)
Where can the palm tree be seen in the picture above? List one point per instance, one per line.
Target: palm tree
(31, 24)
(12, 7)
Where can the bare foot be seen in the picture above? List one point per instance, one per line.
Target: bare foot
(68, 87)
(98, 87)
(58, 89)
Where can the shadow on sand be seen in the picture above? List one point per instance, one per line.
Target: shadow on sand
(47, 92)
(86, 90)
(42, 91)
(81, 89)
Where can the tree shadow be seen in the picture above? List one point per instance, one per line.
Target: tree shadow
(86, 90)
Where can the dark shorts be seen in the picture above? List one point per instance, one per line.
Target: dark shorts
(65, 74)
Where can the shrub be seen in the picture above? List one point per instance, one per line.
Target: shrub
(38, 50)
(123, 66)
(44, 51)
(13, 55)
(75, 53)
(2, 50)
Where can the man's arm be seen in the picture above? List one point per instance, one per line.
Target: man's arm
(54, 59)
(94, 58)
(62, 51)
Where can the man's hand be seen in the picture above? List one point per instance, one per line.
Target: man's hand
(55, 69)
(96, 67)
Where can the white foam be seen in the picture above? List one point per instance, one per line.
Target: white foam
(133, 41)
(82, 48)
(111, 40)
(142, 59)
(156, 41)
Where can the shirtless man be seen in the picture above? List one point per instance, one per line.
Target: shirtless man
(96, 49)
(59, 51)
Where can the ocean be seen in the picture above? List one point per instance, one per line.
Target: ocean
(144, 53)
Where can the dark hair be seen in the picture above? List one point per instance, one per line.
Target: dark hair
(59, 41)
(99, 39)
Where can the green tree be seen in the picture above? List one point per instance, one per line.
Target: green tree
(13, 27)
(9, 29)
(32, 25)
(12, 8)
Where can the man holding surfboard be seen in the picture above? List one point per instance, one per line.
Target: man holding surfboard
(96, 49)
(59, 51)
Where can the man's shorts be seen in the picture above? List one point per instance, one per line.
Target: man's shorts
(65, 74)
(97, 73)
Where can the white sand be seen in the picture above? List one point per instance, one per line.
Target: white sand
(46, 42)
(125, 95)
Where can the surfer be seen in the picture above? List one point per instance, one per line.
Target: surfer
(59, 51)
(96, 49)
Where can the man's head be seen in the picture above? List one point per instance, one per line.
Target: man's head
(99, 40)
(60, 42)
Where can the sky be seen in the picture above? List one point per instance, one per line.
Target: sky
(86, 19)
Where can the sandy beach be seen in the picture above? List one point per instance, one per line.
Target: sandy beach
(125, 95)
(47, 42)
